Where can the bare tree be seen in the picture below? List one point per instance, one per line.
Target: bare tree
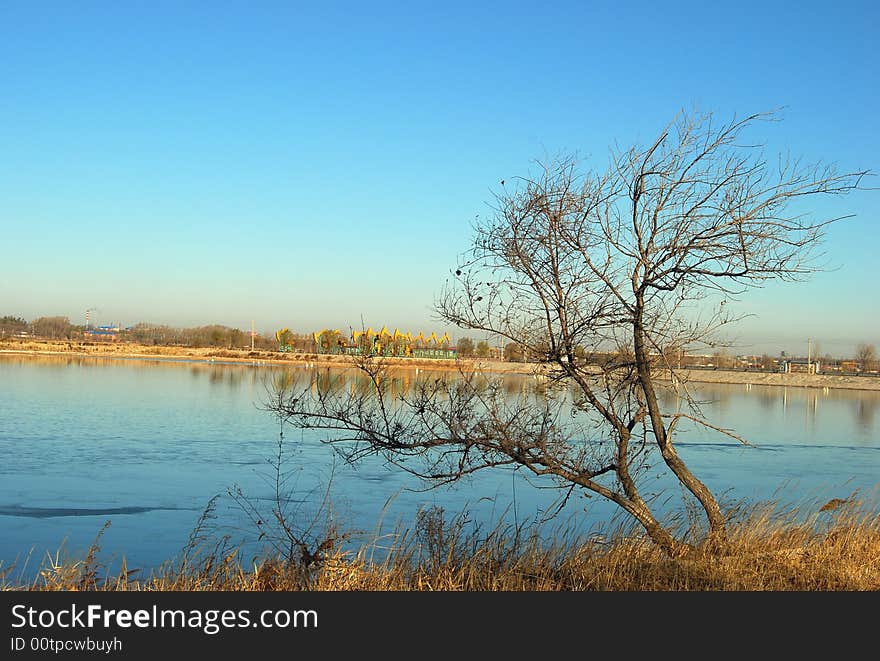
(594, 274)
(513, 352)
(53, 327)
(866, 355)
(465, 347)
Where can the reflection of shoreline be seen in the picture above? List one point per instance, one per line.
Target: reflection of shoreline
(269, 358)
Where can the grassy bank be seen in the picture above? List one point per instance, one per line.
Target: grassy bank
(834, 549)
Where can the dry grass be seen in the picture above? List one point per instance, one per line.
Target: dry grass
(770, 549)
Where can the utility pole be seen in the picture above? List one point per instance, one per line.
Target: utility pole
(809, 356)
(252, 334)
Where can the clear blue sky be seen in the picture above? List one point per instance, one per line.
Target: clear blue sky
(190, 163)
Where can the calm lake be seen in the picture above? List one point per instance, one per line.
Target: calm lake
(146, 445)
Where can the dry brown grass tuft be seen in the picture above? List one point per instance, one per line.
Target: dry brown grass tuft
(769, 549)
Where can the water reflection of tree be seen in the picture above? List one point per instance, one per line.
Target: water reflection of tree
(767, 398)
(669, 398)
(865, 409)
(232, 376)
(672, 398)
(328, 382)
(514, 385)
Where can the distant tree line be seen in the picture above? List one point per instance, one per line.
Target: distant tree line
(219, 336)
(672, 357)
(466, 348)
(12, 326)
(48, 327)
(213, 335)
(866, 356)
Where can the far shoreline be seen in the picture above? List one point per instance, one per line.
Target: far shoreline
(262, 357)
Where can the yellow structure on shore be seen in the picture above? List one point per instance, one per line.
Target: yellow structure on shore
(384, 343)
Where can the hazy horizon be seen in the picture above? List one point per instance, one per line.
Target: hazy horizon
(309, 167)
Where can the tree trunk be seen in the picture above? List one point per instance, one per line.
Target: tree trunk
(657, 533)
(717, 530)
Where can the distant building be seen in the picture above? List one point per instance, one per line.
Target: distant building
(102, 333)
(801, 366)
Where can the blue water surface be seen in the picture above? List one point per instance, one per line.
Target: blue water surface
(146, 444)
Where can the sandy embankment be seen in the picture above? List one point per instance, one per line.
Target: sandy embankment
(778, 379)
(264, 357)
